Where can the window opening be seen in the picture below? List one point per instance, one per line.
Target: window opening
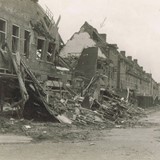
(26, 43)
(40, 49)
(2, 31)
(15, 38)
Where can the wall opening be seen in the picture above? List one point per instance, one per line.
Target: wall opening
(2, 32)
(50, 52)
(15, 38)
(26, 43)
(40, 49)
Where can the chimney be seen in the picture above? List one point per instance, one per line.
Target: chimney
(103, 36)
(130, 58)
(115, 46)
(123, 53)
(135, 61)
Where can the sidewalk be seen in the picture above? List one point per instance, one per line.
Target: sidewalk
(8, 139)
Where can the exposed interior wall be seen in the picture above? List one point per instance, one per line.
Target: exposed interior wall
(76, 44)
(87, 63)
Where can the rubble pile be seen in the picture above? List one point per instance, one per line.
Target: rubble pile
(92, 105)
(87, 110)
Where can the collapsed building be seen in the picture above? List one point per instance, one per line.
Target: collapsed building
(92, 54)
(29, 47)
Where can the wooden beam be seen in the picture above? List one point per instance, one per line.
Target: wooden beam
(23, 89)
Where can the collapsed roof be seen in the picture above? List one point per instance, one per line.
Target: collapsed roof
(87, 37)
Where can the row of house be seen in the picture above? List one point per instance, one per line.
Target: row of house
(94, 54)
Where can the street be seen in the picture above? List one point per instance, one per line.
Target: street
(138, 143)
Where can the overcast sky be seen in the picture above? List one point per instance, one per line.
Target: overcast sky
(132, 24)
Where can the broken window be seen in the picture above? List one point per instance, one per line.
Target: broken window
(50, 52)
(26, 43)
(40, 49)
(15, 38)
(2, 31)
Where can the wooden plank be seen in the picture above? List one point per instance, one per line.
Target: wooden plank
(1, 96)
(23, 90)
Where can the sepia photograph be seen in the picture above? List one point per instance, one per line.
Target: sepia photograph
(79, 79)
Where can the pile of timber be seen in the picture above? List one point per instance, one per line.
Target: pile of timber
(32, 93)
(104, 106)
(87, 110)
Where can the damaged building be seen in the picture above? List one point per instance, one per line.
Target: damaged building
(87, 53)
(90, 53)
(29, 45)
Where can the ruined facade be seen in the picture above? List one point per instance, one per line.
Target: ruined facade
(87, 39)
(29, 63)
(31, 32)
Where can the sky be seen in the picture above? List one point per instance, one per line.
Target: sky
(134, 25)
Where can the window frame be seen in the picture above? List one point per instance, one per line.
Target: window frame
(26, 54)
(13, 36)
(43, 49)
(52, 43)
(6, 29)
